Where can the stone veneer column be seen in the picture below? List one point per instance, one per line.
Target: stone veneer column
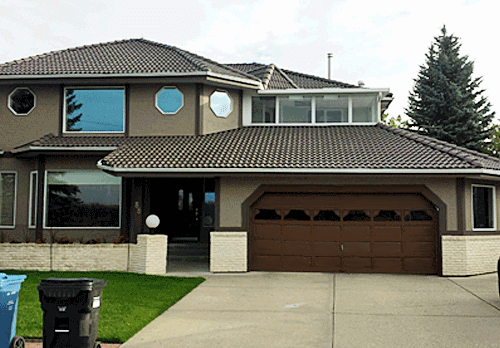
(228, 252)
(150, 254)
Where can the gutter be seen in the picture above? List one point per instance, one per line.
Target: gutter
(164, 74)
(299, 170)
(384, 91)
(73, 148)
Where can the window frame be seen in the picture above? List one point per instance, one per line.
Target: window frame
(64, 116)
(314, 122)
(15, 199)
(46, 205)
(33, 204)
(15, 112)
(156, 100)
(494, 208)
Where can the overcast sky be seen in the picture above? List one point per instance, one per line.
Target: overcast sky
(382, 43)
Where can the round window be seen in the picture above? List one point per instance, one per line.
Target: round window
(21, 101)
(169, 100)
(221, 104)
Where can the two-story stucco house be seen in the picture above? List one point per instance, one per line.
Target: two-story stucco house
(287, 171)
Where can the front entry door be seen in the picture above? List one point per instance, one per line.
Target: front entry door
(178, 204)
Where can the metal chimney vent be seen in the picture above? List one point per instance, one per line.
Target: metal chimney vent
(330, 56)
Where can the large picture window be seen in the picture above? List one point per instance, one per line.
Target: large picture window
(483, 207)
(82, 199)
(7, 199)
(99, 110)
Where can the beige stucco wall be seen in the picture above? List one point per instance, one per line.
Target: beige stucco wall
(212, 123)
(234, 191)
(146, 119)
(43, 119)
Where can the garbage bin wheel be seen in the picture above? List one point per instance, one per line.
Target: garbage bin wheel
(17, 342)
(97, 345)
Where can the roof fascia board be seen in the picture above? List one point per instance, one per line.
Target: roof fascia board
(384, 91)
(164, 74)
(72, 148)
(300, 170)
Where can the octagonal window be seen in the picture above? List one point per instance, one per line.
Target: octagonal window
(22, 101)
(169, 100)
(221, 104)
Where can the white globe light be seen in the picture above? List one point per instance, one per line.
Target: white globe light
(152, 221)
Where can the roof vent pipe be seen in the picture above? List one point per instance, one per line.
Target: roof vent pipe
(361, 83)
(330, 56)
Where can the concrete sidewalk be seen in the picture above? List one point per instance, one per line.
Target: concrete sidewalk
(330, 310)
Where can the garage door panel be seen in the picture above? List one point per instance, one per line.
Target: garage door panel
(266, 263)
(266, 247)
(387, 249)
(388, 265)
(326, 264)
(325, 248)
(356, 264)
(325, 233)
(419, 249)
(387, 233)
(357, 248)
(267, 231)
(419, 233)
(295, 232)
(419, 265)
(295, 248)
(356, 232)
(297, 263)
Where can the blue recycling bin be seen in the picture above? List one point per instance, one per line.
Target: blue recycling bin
(9, 294)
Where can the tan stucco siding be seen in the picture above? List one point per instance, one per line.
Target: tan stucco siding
(234, 191)
(212, 123)
(43, 119)
(146, 119)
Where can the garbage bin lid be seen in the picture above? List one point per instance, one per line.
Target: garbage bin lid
(9, 279)
(82, 284)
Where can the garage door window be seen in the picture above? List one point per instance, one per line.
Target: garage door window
(297, 215)
(357, 215)
(267, 214)
(418, 215)
(483, 207)
(327, 215)
(387, 215)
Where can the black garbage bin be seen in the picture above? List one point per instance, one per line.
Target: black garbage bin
(70, 311)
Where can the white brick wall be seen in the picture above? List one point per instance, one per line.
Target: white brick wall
(150, 254)
(25, 256)
(469, 255)
(228, 252)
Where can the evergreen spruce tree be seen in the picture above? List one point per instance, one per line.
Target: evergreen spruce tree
(446, 102)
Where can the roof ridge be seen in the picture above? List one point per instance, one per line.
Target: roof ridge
(320, 78)
(287, 77)
(440, 145)
(51, 53)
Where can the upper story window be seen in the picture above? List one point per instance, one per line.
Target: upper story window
(169, 100)
(95, 110)
(315, 109)
(221, 103)
(483, 207)
(22, 101)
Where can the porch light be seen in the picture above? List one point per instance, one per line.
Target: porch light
(152, 221)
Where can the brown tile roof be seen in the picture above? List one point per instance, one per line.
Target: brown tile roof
(305, 147)
(274, 78)
(134, 56)
(276, 148)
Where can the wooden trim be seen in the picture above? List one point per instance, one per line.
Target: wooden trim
(217, 204)
(61, 109)
(198, 123)
(125, 221)
(311, 189)
(127, 110)
(40, 195)
(460, 190)
(136, 209)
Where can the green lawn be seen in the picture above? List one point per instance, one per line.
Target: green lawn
(129, 301)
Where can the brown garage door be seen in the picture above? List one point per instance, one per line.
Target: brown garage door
(386, 233)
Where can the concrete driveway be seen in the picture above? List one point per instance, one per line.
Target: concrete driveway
(259, 309)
